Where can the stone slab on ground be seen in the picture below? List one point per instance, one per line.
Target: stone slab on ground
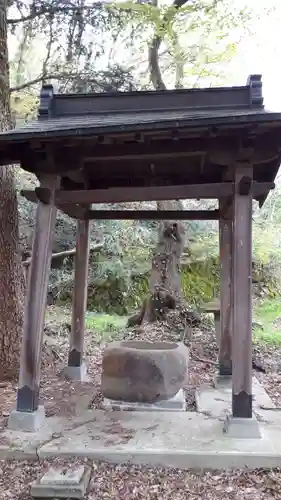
(177, 403)
(61, 483)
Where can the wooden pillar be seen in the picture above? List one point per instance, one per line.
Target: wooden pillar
(75, 356)
(225, 237)
(35, 301)
(242, 293)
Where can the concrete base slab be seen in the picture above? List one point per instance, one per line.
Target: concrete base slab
(217, 401)
(242, 428)
(27, 421)
(170, 439)
(188, 440)
(59, 483)
(177, 403)
(76, 373)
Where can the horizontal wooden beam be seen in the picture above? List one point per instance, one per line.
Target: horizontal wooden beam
(152, 215)
(146, 193)
(167, 148)
(221, 150)
(79, 212)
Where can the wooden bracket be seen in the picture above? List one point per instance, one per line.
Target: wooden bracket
(245, 186)
(44, 195)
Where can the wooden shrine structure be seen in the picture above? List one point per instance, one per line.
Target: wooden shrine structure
(216, 143)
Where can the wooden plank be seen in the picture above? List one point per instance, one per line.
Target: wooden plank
(242, 298)
(148, 193)
(30, 360)
(75, 356)
(225, 241)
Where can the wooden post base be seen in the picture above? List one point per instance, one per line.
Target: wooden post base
(242, 405)
(225, 367)
(75, 358)
(28, 398)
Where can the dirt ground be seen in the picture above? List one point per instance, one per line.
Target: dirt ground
(135, 482)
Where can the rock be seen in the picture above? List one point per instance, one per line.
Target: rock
(257, 324)
(142, 371)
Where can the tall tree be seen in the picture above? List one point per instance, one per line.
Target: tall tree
(165, 286)
(11, 272)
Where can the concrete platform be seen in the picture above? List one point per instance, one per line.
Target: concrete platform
(187, 440)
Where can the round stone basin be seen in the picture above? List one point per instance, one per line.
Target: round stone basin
(143, 372)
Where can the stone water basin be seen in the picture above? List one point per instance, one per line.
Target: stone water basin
(139, 371)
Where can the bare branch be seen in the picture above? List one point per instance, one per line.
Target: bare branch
(51, 11)
(65, 253)
(51, 76)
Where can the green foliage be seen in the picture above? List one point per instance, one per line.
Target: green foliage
(200, 281)
(268, 315)
(104, 323)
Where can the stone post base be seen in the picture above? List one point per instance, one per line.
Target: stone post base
(242, 428)
(27, 421)
(76, 373)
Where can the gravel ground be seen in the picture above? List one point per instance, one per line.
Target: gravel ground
(109, 482)
(136, 482)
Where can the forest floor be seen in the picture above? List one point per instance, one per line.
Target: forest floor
(138, 482)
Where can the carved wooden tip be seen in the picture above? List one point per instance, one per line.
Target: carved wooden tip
(46, 96)
(255, 84)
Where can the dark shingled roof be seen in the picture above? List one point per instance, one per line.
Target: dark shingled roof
(132, 121)
(115, 139)
(62, 115)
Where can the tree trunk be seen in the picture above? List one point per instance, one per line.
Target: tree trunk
(11, 271)
(165, 284)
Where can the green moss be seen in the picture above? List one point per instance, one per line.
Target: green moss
(119, 291)
(200, 281)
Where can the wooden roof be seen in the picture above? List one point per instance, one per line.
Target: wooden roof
(138, 139)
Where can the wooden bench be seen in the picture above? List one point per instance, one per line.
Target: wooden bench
(214, 307)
